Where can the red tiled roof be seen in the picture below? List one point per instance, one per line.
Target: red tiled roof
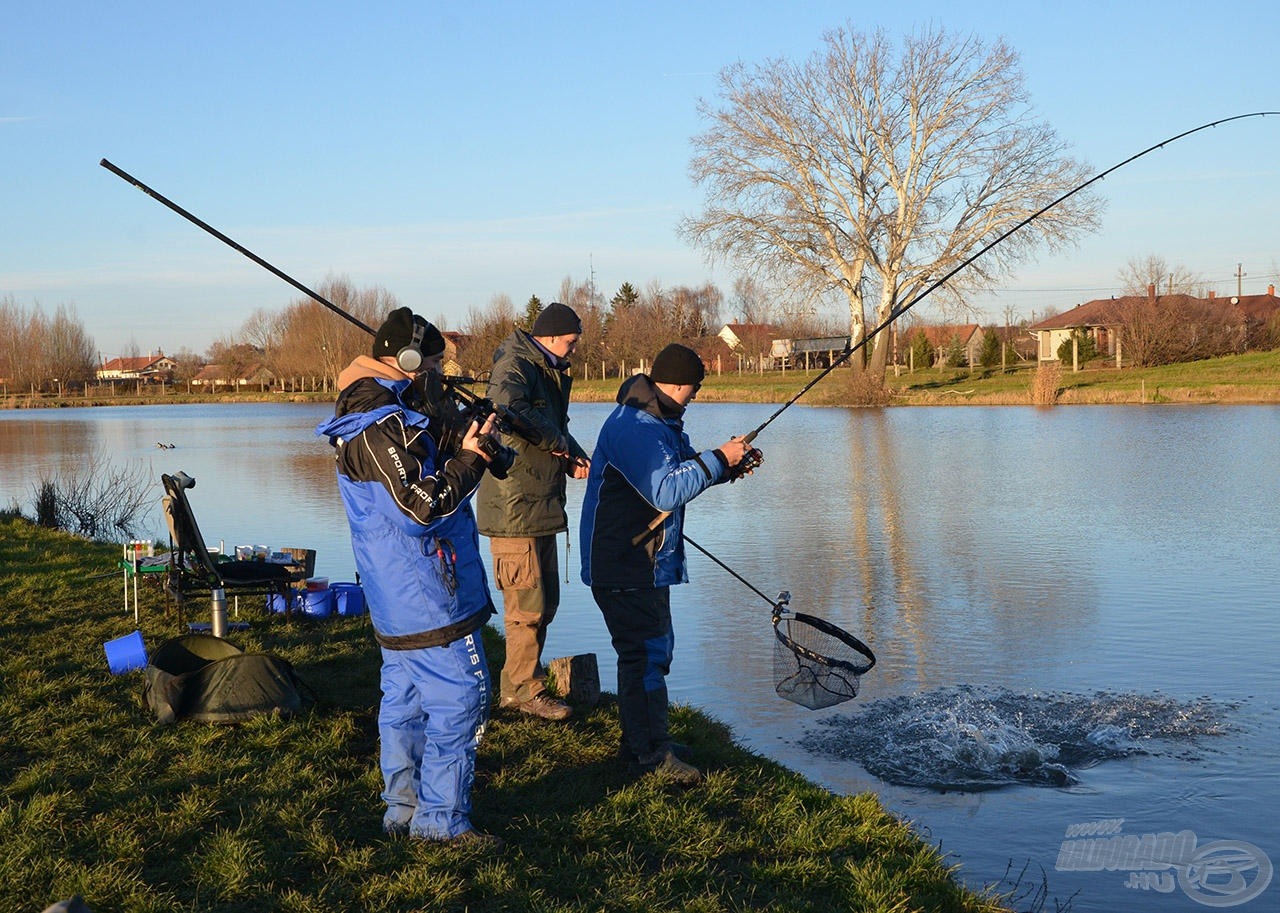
(132, 363)
(940, 336)
(1102, 311)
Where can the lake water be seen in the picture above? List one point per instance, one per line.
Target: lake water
(1074, 612)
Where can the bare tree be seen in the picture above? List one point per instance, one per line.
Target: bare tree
(1142, 274)
(188, 365)
(751, 301)
(485, 330)
(37, 350)
(1163, 329)
(865, 163)
(309, 340)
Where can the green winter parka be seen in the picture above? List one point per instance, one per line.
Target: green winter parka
(530, 500)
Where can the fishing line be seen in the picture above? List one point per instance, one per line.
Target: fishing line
(815, 663)
(903, 308)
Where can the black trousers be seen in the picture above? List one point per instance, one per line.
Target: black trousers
(639, 623)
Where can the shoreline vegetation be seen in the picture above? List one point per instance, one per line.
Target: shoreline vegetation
(1251, 378)
(283, 814)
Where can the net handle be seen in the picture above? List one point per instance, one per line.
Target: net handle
(777, 604)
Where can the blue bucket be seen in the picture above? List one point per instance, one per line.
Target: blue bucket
(318, 603)
(348, 598)
(280, 604)
(124, 654)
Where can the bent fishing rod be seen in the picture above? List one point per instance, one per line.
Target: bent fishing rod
(508, 421)
(195, 220)
(899, 310)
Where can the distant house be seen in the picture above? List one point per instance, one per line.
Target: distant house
(454, 343)
(1095, 318)
(749, 338)
(255, 375)
(714, 352)
(944, 337)
(141, 367)
(1260, 316)
(1098, 319)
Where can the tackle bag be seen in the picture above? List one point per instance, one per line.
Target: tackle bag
(210, 680)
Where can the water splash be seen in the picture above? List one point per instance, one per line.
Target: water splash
(972, 738)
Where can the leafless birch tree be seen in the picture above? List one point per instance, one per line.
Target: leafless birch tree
(870, 166)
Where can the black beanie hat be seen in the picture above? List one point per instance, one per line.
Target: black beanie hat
(556, 319)
(677, 364)
(396, 333)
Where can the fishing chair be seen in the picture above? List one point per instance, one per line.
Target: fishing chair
(193, 570)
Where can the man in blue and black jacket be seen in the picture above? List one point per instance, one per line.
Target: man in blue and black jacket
(643, 473)
(418, 553)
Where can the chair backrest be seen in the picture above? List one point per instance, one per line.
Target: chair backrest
(183, 528)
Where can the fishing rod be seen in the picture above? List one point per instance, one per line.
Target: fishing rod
(903, 308)
(195, 220)
(474, 407)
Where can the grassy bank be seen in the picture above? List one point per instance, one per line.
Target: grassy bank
(284, 814)
(1250, 378)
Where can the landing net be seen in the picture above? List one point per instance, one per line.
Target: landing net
(815, 663)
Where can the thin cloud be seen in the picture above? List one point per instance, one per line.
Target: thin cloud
(14, 120)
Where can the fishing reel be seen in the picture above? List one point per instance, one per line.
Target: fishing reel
(750, 461)
(452, 408)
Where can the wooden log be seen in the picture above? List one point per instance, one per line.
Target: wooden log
(577, 679)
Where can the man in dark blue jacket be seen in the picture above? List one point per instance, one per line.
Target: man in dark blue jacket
(418, 553)
(643, 473)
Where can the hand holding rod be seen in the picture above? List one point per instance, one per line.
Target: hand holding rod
(224, 239)
(903, 308)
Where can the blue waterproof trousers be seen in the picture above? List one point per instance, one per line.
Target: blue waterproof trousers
(639, 623)
(435, 702)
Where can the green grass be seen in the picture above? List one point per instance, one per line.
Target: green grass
(1253, 377)
(284, 814)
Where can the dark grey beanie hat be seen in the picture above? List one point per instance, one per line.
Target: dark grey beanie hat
(677, 364)
(556, 319)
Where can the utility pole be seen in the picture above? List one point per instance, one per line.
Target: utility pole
(1239, 276)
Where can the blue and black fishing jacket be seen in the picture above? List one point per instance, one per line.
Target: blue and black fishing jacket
(643, 472)
(412, 529)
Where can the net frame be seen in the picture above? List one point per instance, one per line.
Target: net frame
(811, 678)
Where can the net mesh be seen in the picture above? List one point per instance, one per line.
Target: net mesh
(816, 664)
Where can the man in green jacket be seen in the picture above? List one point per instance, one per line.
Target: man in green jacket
(522, 513)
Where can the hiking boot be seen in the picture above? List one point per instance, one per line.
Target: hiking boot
(669, 767)
(680, 749)
(506, 702)
(474, 839)
(395, 828)
(546, 707)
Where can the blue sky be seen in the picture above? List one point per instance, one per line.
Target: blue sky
(452, 152)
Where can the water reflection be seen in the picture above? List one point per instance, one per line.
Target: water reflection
(1073, 550)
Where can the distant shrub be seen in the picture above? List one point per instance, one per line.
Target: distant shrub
(95, 499)
(1088, 349)
(1048, 383)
